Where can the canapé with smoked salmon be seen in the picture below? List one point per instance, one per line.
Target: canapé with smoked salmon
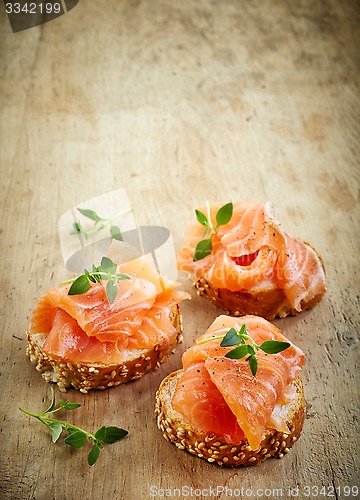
(247, 264)
(85, 341)
(236, 401)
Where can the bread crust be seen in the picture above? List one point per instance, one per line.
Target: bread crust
(86, 376)
(212, 447)
(269, 302)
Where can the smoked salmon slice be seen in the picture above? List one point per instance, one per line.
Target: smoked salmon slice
(251, 253)
(204, 405)
(211, 381)
(87, 328)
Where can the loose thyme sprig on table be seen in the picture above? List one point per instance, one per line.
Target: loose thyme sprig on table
(106, 271)
(99, 224)
(223, 216)
(77, 437)
(239, 338)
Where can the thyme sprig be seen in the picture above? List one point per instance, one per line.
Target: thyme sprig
(77, 437)
(106, 271)
(99, 224)
(234, 338)
(223, 216)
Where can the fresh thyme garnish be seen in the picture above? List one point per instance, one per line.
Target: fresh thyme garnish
(106, 271)
(204, 247)
(77, 437)
(243, 349)
(99, 223)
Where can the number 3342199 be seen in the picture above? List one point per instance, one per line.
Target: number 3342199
(33, 8)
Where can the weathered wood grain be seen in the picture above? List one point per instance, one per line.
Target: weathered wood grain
(180, 102)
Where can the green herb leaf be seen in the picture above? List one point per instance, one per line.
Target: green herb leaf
(224, 214)
(90, 214)
(113, 434)
(101, 433)
(80, 285)
(77, 227)
(242, 330)
(253, 364)
(239, 352)
(203, 249)
(252, 349)
(76, 439)
(231, 338)
(274, 346)
(55, 429)
(93, 454)
(201, 218)
(105, 271)
(68, 405)
(52, 404)
(99, 223)
(111, 291)
(116, 233)
(107, 265)
(95, 275)
(205, 232)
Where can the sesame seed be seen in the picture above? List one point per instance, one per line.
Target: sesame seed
(252, 459)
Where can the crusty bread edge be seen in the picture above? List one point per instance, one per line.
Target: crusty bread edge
(86, 376)
(269, 303)
(212, 447)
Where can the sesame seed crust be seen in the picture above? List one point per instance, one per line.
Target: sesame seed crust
(86, 376)
(212, 447)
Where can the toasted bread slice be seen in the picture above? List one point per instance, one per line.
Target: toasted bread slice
(86, 376)
(212, 447)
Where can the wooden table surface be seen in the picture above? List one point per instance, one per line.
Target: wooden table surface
(181, 102)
